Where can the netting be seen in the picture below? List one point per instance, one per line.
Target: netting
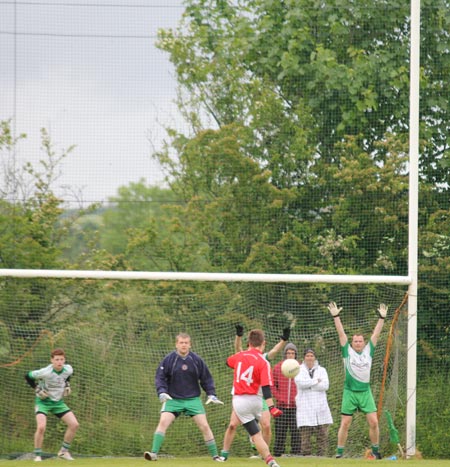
(115, 334)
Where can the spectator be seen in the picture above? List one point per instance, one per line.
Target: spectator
(284, 391)
(313, 413)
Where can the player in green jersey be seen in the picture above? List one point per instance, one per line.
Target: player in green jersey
(357, 396)
(51, 385)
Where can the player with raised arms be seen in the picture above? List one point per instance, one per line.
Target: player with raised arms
(357, 394)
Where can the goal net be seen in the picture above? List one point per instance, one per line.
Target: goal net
(116, 332)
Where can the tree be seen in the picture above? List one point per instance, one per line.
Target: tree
(31, 229)
(320, 93)
(134, 206)
(334, 67)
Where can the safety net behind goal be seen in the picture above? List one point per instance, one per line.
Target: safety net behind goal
(116, 332)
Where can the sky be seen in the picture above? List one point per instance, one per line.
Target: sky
(89, 72)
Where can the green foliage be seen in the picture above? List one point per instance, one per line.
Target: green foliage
(322, 72)
(135, 206)
(434, 401)
(31, 229)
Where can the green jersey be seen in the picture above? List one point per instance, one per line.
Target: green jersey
(357, 367)
(52, 381)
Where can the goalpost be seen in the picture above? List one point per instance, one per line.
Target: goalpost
(413, 225)
(115, 354)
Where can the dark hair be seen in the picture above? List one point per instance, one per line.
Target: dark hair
(256, 337)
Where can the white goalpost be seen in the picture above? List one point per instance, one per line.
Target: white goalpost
(205, 276)
(115, 353)
(413, 217)
(318, 335)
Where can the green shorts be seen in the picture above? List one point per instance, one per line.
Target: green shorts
(353, 401)
(190, 407)
(47, 406)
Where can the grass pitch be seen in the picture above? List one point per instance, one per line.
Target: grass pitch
(232, 462)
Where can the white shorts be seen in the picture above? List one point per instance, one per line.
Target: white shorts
(248, 407)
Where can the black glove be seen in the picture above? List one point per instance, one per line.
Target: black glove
(286, 334)
(239, 330)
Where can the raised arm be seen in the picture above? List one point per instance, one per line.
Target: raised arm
(238, 338)
(280, 345)
(382, 312)
(334, 310)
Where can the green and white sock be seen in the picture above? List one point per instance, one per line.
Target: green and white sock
(65, 446)
(212, 447)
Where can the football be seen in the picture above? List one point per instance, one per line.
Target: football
(290, 368)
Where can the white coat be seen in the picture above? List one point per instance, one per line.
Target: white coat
(311, 399)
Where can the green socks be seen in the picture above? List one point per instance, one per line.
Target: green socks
(158, 439)
(212, 447)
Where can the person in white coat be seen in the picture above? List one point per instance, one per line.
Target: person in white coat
(313, 413)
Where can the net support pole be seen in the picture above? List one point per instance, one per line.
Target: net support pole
(413, 227)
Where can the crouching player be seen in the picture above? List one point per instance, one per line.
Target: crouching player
(51, 385)
(178, 379)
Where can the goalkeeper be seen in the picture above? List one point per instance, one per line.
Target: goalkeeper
(357, 395)
(51, 385)
(178, 380)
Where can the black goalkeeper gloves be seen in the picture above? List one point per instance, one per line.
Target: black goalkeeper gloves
(286, 334)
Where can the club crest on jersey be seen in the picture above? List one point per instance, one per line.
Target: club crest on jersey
(184, 367)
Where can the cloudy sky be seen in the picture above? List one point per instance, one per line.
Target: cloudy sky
(89, 72)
